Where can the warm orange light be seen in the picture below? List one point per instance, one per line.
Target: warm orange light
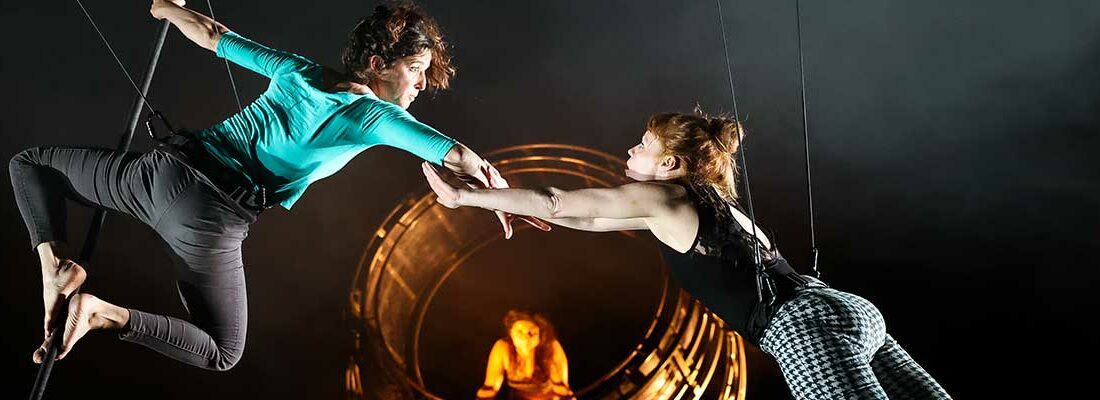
(682, 351)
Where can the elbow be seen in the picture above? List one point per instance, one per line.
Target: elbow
(551, 200)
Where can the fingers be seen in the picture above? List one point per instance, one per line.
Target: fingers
(446, 194)
(536, 222)
(495, 180)
(506, 220)
(433, 176)
(506, 223)
(481, 177)
(434, 181)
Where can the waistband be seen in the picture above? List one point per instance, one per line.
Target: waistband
(784, 282)
(233, 184)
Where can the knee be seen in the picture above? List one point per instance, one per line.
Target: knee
(226, 359)
(24, 159)
(228, 354)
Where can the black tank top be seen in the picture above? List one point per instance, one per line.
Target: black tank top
(720, 269)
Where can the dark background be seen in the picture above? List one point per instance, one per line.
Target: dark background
(953, 149)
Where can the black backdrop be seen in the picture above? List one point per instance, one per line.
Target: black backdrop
(952, 143)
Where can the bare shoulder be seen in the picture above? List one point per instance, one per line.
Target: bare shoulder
(557, 346)
(501, 345)
(499, 354)
(558, 351)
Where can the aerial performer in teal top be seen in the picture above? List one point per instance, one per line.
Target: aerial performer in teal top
(200, 191)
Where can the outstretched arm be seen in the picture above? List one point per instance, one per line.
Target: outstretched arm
(601, 224)
(629, 204)
(201, 29)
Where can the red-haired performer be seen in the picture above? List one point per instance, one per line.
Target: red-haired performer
(828, 343)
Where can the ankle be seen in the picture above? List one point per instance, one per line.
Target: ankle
(50, 255)
(111, 316)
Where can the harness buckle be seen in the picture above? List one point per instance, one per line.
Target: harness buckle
(152, 130)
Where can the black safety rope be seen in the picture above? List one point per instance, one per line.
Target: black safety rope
(760, 273)
(806, 141)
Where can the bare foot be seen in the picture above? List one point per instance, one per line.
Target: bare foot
(57, 284)
(86, 313)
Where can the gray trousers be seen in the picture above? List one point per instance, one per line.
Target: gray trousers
(833, 345)
(201, 227)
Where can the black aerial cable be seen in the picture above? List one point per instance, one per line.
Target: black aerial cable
(805, 130)
(232, 83)
(741, 158)
(117, 60)
(153, 112)
(806, 141)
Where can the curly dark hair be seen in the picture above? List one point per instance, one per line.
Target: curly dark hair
(395, 30)
(544, 352)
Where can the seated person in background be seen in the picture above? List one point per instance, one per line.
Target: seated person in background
(530, 357)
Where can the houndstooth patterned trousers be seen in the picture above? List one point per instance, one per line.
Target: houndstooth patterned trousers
(833, 345)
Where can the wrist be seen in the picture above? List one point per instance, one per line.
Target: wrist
(465, 197)
(158, 10)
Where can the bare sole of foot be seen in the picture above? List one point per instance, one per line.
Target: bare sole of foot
(58, 285)
(84, 316)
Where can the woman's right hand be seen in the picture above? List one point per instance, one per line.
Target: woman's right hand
(159, 6)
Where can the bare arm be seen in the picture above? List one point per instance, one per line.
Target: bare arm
(494, 371)
(559, 374)
(201, 29)
(601, 224)
(634, 200)
(662, 208)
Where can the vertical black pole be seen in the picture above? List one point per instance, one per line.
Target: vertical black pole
(58, 330)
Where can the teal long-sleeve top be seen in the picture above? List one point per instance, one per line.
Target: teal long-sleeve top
(296, 133)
